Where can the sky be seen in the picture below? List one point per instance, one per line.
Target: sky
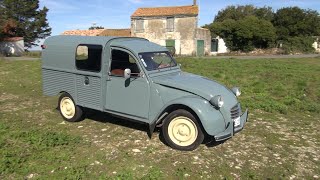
(81, 14)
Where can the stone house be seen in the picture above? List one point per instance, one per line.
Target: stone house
(13, 46)
(173, 27)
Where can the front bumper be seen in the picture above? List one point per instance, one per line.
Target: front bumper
(231, 130)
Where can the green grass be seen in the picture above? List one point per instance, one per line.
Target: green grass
(32, 54)
(281, 139)
(271, 85)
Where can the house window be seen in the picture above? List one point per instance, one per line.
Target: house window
(139, 25)
(88, 57)
(170, 24)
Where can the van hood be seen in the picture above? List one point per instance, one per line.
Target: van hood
(195, 84)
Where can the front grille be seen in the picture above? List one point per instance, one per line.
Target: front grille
(235, 112)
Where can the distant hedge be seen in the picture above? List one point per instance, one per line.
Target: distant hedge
(247, 27)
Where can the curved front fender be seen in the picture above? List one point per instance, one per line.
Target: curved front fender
(210, 118)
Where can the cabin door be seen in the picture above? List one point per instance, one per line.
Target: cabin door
(129, 97)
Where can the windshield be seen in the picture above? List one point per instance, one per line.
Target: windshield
(157, 60)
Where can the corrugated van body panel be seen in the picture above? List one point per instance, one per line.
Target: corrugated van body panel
(55, 82)
(89, 95)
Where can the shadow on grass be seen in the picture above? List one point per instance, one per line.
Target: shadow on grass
(211, 142)
(102, 117)
(107, 118)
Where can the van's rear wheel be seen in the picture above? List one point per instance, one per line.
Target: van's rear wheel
(68, 110)
(182, 131)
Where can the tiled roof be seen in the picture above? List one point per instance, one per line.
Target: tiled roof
(166, 11)
(100, 32)
(116, 32)
(94, 32)
(12, 39)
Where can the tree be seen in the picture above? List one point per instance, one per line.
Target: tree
(2, 22)
(245, 34)
(244, 27)
(95, 27)
(9, 27)
(25, 19)
(265, 13)
(248, 27)
(293, 22)
(295, 28)
(226, 30)
(240, 12)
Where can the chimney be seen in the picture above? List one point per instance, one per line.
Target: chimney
(194, 2)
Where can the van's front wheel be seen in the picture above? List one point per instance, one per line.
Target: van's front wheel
(182, 131)
(68, 110)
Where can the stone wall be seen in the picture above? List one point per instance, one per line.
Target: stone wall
(204, 34)
(222, 47)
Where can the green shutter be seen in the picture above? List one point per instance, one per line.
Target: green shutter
(170, 43)
(171, 46)
(214, 45)
(200, 48)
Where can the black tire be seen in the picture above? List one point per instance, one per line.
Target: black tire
(68, 109)
(182, 131)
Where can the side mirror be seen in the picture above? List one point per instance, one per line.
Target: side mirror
(127, 73)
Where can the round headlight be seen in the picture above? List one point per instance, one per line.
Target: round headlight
(236, 91)
(217, 101)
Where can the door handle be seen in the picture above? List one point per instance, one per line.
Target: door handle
(86, 81)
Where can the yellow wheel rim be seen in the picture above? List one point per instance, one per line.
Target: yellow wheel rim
(182, 131)
(67, 107)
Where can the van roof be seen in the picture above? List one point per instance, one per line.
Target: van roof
(60, 50)
(138, 46)
(132, 43)
(70, 39)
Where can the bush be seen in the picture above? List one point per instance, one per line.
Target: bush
(245, 34)
(298, 44)
(34, 54)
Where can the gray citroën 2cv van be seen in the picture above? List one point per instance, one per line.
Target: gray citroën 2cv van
(138, 80)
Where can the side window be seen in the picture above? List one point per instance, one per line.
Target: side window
(88, 57)
(121, 60)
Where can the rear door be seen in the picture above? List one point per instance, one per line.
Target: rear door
(88, 76)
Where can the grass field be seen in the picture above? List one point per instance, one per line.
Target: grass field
(281, 139)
